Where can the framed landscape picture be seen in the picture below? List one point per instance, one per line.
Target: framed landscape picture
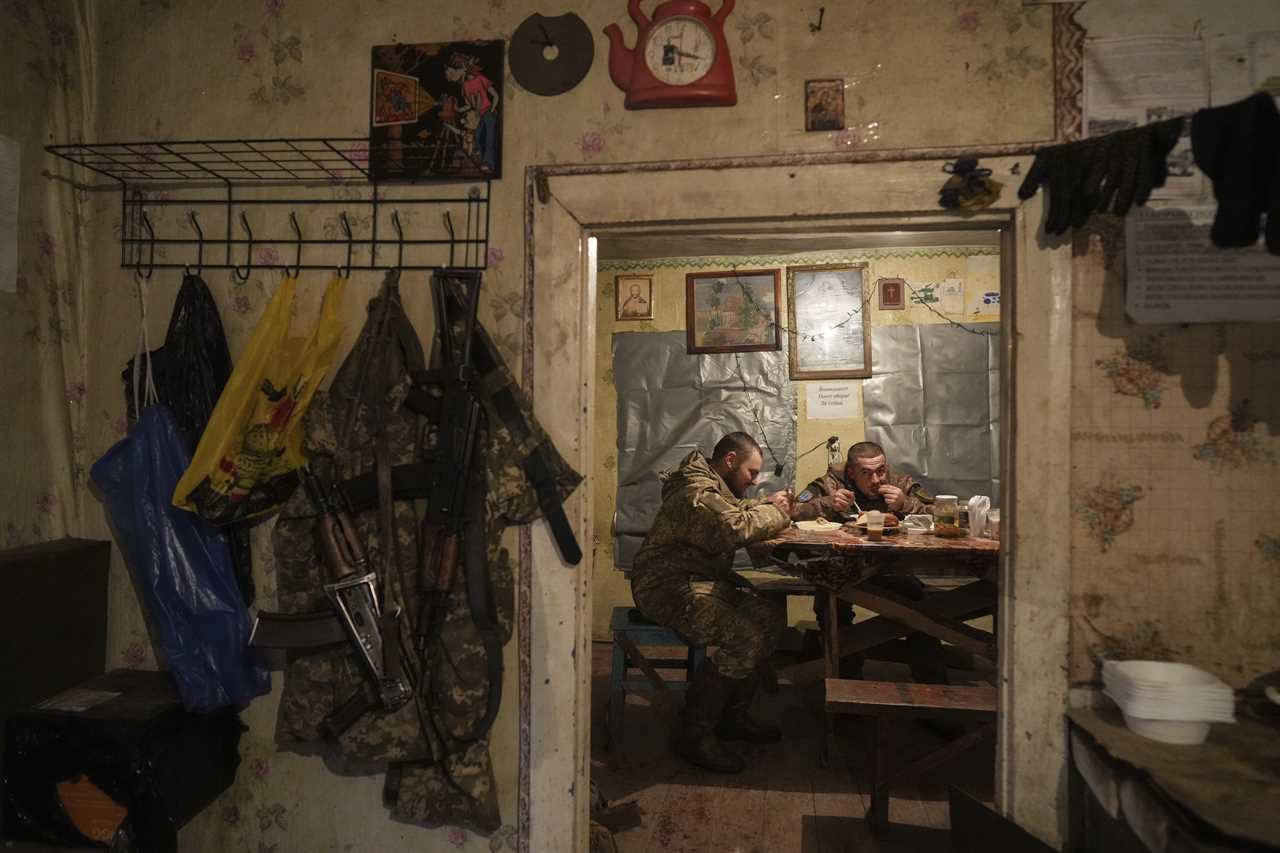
(735, 311)
(828, 324)
(436, 110)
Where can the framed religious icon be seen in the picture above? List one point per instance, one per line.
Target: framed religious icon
(824, 105)
(828, 325)
(893, 294)
(735, 311)
(436, 111)
(634, 299)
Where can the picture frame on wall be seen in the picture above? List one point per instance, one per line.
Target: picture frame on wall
(633, 297)
(893, 294)
(824, 104)
(436, 110)
(828, 324)
(733, 311)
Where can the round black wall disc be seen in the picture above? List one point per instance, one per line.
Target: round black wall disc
(549, 56)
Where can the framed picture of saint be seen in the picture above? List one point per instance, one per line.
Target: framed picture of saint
(634, 297)
(436, 111)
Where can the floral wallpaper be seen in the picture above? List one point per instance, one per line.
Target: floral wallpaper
(51, 421)
(1174, 443)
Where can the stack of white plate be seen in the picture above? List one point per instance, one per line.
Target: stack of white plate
(1170, 702)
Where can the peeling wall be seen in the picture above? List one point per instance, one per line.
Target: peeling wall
(1175, 542)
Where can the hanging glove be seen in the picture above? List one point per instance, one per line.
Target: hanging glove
(1105, 174)
(1238, 147)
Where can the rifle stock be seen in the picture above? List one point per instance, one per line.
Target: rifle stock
(356, 616)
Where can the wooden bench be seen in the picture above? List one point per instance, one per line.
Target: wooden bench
(883, 699)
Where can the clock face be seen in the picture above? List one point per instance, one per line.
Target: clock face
(680, 51)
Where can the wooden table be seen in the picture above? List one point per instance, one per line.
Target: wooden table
(841, 560)
(1130, 793)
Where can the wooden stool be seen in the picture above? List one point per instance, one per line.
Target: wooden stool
(881, 700)
(631, 631)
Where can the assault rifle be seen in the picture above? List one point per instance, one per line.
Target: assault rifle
(453, 529)
(356, 616)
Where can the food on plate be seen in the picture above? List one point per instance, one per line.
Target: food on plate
(889, 520)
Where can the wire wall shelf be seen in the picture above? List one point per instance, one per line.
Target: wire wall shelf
(289, 204)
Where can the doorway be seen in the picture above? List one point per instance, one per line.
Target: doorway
(564, 212)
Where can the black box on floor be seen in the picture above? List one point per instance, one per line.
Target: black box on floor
(128, 734)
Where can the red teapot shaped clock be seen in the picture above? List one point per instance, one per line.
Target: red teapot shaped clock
(681, 58)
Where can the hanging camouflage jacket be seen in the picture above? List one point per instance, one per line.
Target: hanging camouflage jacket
(429, 782)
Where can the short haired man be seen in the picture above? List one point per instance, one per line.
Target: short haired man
(866, 483)
(683, 578)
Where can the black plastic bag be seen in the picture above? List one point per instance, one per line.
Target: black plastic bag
(190, 370)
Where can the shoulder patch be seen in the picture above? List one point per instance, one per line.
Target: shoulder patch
(805, 496)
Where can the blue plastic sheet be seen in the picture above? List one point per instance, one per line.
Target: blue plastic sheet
(182, 565)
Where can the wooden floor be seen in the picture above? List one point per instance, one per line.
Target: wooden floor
(784, 802)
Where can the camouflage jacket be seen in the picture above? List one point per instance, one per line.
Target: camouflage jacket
(460, 789)
(699, 526)
(816, 498)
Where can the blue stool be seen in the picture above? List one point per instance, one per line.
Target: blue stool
(631, 631)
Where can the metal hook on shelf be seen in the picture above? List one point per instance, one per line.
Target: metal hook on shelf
(395, 221)
(448, 226)
(195, 223)
(345, 272)
(248, 270)
(151, 258)
(297, 252)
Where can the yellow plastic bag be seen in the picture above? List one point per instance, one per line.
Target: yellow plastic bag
(244, 465)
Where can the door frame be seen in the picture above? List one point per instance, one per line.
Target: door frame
(564, 207)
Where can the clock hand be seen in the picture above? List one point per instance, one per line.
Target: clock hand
(687, 55)
(547, 39)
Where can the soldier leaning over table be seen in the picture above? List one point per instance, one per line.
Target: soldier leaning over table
(865, 480)
(683, 578)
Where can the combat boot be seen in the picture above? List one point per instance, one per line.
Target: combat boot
(737, 723)
(925, 656)
(695, 739)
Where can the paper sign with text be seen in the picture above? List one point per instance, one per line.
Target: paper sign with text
(829, 401)
(1177, 275)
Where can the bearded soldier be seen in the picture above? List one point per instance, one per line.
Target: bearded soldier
(683, 578)
(866, 483)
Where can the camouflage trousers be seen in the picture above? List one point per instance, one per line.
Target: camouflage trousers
(743, 627)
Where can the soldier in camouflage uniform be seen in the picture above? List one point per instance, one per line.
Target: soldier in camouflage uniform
(866, 483)
(683, 578)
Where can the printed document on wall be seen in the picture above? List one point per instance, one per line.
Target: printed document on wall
(1177, 275)
(829, 401)
(1243, 63)
(8, 214)
(1129, 82)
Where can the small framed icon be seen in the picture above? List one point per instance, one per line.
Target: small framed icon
(824, 105)
(634, 297)
(893, 294)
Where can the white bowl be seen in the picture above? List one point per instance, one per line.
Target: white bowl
(1168, 731)
(1161, 674)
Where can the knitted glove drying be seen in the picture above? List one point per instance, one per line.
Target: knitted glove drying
(1105, 174)
(1238, 147)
